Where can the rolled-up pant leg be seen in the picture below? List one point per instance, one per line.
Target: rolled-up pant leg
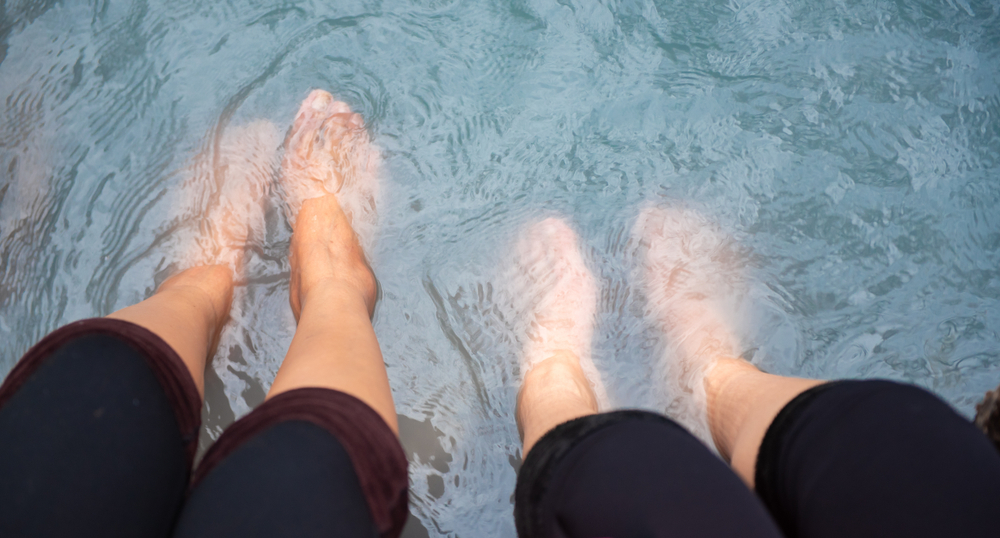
(308, 462)
(98, 427)
(632, 474)
(875, 459)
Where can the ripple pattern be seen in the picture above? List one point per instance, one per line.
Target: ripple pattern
(851, 149)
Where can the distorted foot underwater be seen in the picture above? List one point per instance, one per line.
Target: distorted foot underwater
(851, 150)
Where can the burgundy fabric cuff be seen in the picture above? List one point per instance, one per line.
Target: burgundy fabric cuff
(166, 365)
(375, 451)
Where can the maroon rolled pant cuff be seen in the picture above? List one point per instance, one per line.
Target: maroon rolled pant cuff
(166, 365)
(375, 451)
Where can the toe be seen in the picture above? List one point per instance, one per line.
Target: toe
(318, 100)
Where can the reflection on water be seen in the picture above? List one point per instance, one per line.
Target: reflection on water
(851, 148)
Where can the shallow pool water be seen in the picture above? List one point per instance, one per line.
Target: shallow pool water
(851, 148)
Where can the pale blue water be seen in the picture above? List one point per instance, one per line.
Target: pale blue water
(852, 147)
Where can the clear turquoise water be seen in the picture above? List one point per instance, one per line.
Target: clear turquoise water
(852, 147)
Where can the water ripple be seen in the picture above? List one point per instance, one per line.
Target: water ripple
(852, 149)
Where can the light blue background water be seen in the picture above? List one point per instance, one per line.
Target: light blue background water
(852, 147)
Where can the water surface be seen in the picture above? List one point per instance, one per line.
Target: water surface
(851, 147)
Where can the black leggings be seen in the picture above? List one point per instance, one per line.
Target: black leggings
(98, 427)
(99, 421)
(852, 459)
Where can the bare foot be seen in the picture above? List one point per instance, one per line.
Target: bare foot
(693, 282)
(562, 291)
(327, 151)
(246, 161)
(329, 183)
(230, 198)
(560, 381)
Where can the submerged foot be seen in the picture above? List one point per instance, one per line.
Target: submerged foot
(229, 201)
(562, 291)
(327, 151)
(691, 274)
(329, 184)
(556, 366)
(246, 162)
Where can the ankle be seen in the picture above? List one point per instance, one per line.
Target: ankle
(208, 288)
(723, 381)
(325, 254)
(560, 369)
(208, 292)
(554, 391)
(344, 292)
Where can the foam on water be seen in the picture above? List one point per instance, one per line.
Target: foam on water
(849, 150)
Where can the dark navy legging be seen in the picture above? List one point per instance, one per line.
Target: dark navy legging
(98, 427)
(849, 459)
(99, 421)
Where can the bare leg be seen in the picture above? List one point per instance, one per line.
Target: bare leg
(332, 291)
(556, 359)
(742, 403)
(188, 313)
(692, 275)
(190, 308)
